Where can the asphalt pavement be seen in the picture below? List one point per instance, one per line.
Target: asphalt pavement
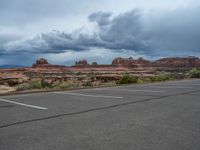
(157, 116)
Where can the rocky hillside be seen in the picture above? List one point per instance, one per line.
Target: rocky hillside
(82, 72)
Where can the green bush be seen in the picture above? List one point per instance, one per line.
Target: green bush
(146, 80)
(45, 84)
(140, 80)
(55, 84)
(60, 85)
(35, 84)
(23, 86)
(128, 79)
(39, 84)
(64, 85)
(132, 79)
(161, 77)
(194, 73)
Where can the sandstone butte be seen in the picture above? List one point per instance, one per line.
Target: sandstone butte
(82, 69)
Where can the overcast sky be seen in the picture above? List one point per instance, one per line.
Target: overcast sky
(64, 31)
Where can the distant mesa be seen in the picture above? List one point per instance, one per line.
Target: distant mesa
(40, 63)
(130, 62)
(173, 62)
(143, 61)
(82, 63)
(103, 72)
(94, 64)
(43, 63)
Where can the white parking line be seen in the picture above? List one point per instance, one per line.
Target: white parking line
(22, 104)
(172, 87)
(78, 94)
(184, 84)
(142, 91)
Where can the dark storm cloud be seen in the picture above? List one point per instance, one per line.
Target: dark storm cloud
(54, 42)
(176, 31)
(124, 32)
(102, 18)
(120, 32)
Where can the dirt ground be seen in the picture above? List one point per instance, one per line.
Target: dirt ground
(6, 89)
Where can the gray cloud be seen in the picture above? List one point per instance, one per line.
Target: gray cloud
(102, 18)
(121, 32)
(124, 32)
(20, 12)
(176, 31)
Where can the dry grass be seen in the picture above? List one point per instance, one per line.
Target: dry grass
(6, 89)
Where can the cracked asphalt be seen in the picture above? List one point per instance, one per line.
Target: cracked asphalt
(157, 116)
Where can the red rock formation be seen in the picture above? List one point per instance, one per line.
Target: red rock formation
(43, 63)
(130, 62)
(142, 62)
(124, 62)
(82, 63)
(178, 62)
(94, 64)
(40, 62)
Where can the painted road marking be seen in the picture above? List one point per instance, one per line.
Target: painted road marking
(78, 94)
(22, 104)
(184, 84)
(172, 87)
(142, 91)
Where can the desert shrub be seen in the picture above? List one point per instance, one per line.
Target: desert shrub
(64, 85)
(179, 75)
(194, 73)
(140, 80)
(78, 73)
(13, 82)
(128, 79)
(162, 77)
(55, 84)
(111, 83)
(76, 84)
(93, 78)
(23, 86)
(146, 80)
(45, 83)
(35, 84)
(60, 85)
(87, 83)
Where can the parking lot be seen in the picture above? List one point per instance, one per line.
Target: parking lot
(157, 116)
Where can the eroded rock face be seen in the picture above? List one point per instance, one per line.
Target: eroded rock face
(124, 62)
(174, 62)
(94, 64)
(142, 62)
(130, 62)
(40, 62)
(43, 63)
(178, 62)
